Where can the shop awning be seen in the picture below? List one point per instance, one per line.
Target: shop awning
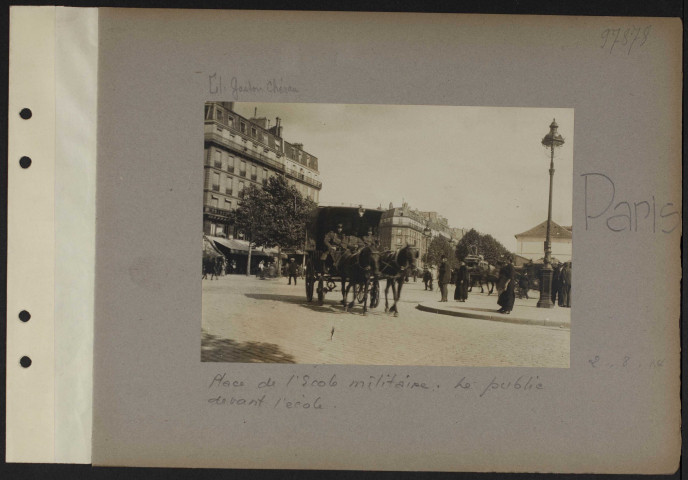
(209, 248)
(237, 247)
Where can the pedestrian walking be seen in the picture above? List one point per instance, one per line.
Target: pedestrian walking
(505, 284)
(524, 284)
(207, 267)
(462, 279)
(555, 285)
(292, 269)
(565, 285)
(261, 269)
(444, 278)
(427, 279)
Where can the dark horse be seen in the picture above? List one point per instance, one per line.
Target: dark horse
(358, 269)
(480, 274)
(394, 266)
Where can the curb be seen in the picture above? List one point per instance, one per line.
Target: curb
(495, 318)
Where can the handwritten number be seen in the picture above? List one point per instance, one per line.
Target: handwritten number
(605, 35)
(637, 33)
(628, 36)
(646, 33)
(617, 31)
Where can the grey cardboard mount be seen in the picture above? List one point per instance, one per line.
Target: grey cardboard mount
(156, 70)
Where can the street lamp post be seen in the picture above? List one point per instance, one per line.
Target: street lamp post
(552, 140)
(427, 234)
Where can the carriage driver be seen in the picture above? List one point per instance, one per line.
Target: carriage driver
(371, 240)
(334, 241)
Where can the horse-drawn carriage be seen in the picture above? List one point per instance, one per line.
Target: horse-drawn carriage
(480, 272)
(355, 264)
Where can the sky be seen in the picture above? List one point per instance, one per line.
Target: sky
(480, 167)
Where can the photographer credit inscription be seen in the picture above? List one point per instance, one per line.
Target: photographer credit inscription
(236, 87)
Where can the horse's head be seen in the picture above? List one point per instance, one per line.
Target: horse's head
(406, 258)
(365, 257)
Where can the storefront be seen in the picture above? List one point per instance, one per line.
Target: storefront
(236, 252)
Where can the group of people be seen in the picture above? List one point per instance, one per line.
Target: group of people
(460, 277)
(213, 266)
(337, 243)
(561, 285)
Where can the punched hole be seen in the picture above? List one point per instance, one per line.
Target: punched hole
(24, 316)
(25, 362)
(25, 162)
(25, 113)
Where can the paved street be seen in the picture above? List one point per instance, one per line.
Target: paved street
(251, 320)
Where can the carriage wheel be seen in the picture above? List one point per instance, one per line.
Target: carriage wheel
(310, 285)
(321, 292)
(374, 294)
(360, 291)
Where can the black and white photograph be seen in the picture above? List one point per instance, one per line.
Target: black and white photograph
(387, 235)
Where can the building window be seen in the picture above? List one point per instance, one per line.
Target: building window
(228, 204)
(228, 185)
(214, 201)
(241, 189)
(218, 159)
(243, 127)
(254, 172)
(265, 176)
(254, 132)
(399, 231)
(242, 169)
(398, 240)
(218, 115)
(230, 164)
(216, 182)
(230, 121)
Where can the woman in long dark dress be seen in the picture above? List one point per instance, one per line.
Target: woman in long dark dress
(508, 295)
(462, 278)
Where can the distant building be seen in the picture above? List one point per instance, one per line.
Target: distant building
(239, 152)
(531, 243)
(404, 225)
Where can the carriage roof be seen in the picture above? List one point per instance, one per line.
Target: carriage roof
(355, 220)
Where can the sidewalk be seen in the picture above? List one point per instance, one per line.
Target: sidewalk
(484, 307)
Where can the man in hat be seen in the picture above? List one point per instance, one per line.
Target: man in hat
(292, 270)
(444, 278)
(371, 240)
(334, 241)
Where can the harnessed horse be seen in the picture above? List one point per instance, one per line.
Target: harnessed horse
(393, 266)
(482, 275)
(357, 268)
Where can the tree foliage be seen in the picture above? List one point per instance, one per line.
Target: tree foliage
(439, 247)
(275, 215)
(482, 244)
